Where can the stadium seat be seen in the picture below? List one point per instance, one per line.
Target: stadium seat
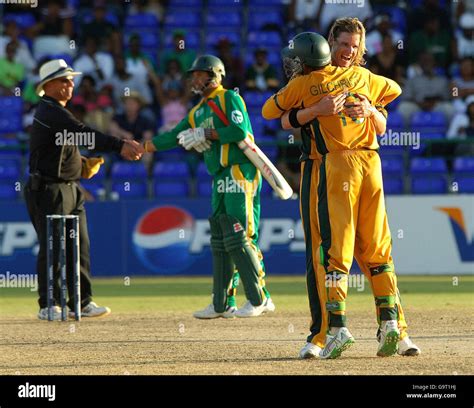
(428, 185)
(222, 18)
(266, 190)
(273, 58)
(141, 21)
(226, 4)
(395, 121)
(185, 3)
(171, 170)
(23, 20)
(9, 170)
(171, 189)
(192, 40)
(10, 147)
(428, 122)
(465, 184)
(204, 188)
(171, 155)
(423, 165)
(8, 191)
(9, 104)
(392, 165)
(148, 39)
(110, 17)
(259, 21)
(271, 152)
(202, 173)
(393, 185)
(94, 187)
(268, 39)
(256, 99)
(212, 38)
(464, 165)
(182, 20)
(267, 3)
(127, 170)
(130, 189)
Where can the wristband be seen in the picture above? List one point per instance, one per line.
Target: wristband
(293, 118)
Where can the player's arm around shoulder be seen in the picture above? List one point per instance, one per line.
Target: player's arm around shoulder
(286, 98)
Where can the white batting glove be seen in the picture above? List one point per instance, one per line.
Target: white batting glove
(202, 147)
(191, 137)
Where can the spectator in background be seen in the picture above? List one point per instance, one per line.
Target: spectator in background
(139, 65)
(173, 101)
(55, 21)
(388, 62)
(30, 97)
(102, 30)
(11, 72)
(463, 86)
(427, 92)
(433, 39)
(154, 7)
(97, 64)
(464, 41)
(331, 12)
(132, 124)
(235, 69)
(417, 16)
(304, 15)
(123, 83)
(173, 73)
(23, 55)
(261, 76)
(462, 127)
(97, 104)
(181, 52)
(374, 39)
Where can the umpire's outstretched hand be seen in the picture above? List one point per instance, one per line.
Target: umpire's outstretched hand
(132, 150)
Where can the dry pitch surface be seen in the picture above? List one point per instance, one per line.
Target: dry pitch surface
(152, 331)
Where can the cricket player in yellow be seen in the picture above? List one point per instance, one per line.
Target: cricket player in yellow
(350, 197)
(347, 42)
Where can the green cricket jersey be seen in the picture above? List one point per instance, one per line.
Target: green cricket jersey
(223, 152)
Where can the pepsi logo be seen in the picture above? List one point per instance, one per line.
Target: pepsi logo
(162, 237)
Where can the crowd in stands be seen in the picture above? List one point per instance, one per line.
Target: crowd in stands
(134, 57)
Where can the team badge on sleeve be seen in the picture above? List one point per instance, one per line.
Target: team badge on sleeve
(237, 117)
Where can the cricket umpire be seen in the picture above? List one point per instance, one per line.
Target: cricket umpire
(56, 165)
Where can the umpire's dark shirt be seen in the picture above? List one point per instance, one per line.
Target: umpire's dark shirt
(60, 161)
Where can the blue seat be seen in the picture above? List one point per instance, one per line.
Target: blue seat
(395, 121)
(23, 20)
(173, 170)
(464, 165)
(126, 170)
(134, 189)
(267, 190)
(212, 38)
(267, 3)
(94, 187)
(8, 191)
(226, 4)
(428, 185)
(12, 124)
(171, 155)
(204, 188)
(182, 20)
(465, 184)
(148, 39)
(9, 104)
(256, 99)
(271, 152)
(423, 165)
(398, 17)
(171, 189)
(10, 147)
(9, 170)
(273, 58)
(264, 39)
(258, 20)
(141, 21)
(392, 165)
(110, 17)
(185, 3)
(393, 185)
(222, 18)
(202, 173)
(192, 40)
(428, 122)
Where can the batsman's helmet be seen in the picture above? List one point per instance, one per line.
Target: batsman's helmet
(312, 49)
(211, 64)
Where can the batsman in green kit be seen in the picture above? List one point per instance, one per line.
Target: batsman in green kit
(235, 189)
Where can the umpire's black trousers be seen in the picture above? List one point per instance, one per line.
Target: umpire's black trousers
(67, 199)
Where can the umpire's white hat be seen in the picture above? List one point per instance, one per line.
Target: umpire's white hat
(53, 69)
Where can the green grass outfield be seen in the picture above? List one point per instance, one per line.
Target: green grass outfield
(185, 294)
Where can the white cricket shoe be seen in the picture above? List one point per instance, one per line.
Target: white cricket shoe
(207, 313)
(389, 337)
(407, 348)
(92, 310)
(269, 305)
(249, 310)
(43, 313)
(229, 312)
(310, 350)
(337, 343)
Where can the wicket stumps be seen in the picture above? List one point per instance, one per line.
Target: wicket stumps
(65, 222)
